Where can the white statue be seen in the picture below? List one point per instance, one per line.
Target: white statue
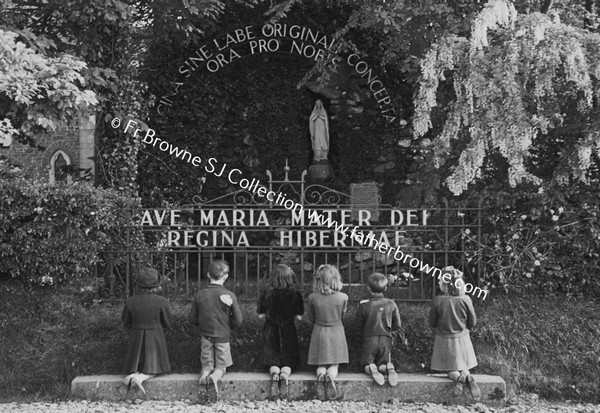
(319, 131)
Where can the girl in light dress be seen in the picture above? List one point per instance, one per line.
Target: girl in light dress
(326, 308)
(452, 316)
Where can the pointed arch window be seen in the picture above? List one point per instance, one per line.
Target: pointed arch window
(57, 163)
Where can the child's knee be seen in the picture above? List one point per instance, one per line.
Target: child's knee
(382, 369)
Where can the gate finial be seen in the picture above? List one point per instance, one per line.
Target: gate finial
(286, 168)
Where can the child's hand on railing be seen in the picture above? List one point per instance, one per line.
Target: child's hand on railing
(260, 316)
(299, 317)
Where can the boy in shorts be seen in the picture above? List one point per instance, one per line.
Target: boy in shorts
(378, 317)
(216, 312)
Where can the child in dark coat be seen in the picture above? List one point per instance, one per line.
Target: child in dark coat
(146, 314)
(452, 316)
(378, 317)
(216, 312)
(280, 305)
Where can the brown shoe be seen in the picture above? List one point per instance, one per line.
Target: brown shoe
(473, 388)
(458, 387)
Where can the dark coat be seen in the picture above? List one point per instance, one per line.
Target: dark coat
(279, 336)
(146, 314)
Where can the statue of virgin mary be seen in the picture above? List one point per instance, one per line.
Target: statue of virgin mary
(319, 131)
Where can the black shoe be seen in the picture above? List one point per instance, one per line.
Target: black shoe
(330, 389)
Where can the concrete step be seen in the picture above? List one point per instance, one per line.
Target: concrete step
(302, 386)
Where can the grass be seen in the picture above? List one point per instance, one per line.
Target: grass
(542, 344)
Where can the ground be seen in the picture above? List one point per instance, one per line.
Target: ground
(525, 404)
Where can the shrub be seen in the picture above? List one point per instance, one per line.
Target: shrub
(546, 240)
(50, 232)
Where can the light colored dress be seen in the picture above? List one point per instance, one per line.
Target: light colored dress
(328, 341)
(452, 317)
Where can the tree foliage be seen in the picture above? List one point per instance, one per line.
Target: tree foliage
(38, 91)
(516, 78)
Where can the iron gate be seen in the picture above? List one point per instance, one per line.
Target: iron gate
(254, 235)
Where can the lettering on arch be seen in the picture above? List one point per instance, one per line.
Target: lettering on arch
(274, 38)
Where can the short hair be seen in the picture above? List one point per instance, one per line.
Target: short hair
(377, 282)
(450, 287)
(283, 277)
(327, 280)
(217, 269)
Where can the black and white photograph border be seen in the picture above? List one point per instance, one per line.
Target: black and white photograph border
(299, 205)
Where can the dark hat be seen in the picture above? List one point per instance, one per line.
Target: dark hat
(148, 278)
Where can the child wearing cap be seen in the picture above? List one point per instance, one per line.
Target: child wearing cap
(146, 314)
(378, 317)
(216, 312)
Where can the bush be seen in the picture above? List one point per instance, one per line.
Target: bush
(51, 232)
(546, 240)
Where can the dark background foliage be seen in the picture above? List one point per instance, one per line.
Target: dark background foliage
(251, 115)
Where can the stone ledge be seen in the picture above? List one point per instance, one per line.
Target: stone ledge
(302, 386)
